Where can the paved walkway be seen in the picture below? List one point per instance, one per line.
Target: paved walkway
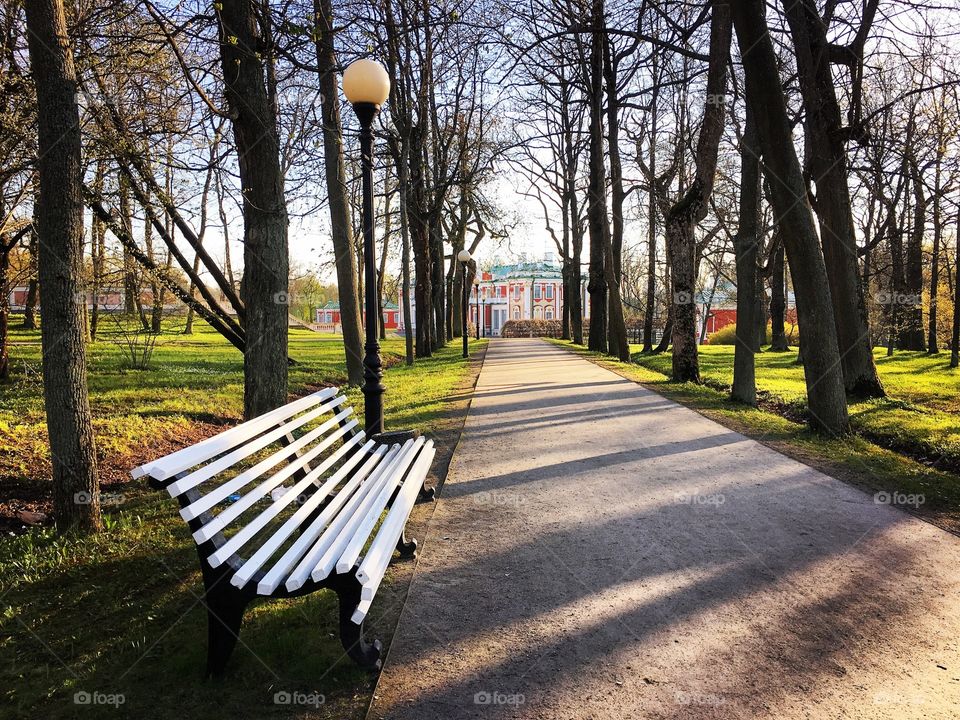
(601, 552)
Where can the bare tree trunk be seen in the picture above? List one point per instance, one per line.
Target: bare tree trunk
(438, 298)
(266, 262)
(745, 249)
(911, 330)
(4, 308)
(98, 234)
(597, 198)
(684, 216)
(613, 247)
(33, 287)
(955, 344)
(59, 218)
(828, 163)
(129, 274)
(572, 291)
(778, 301)
(933, 345)
(821, 356)
(341, 226)
(651, 298)
(403, 189)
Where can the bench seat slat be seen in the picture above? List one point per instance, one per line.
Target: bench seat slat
(374, 565)
(360, 614)
(273, 543)
(372, 515)
(254, 526)
(234, 510)
(328, 535)
(246, 450)
(328, 560)
(225, 490)
(281, 568)
(188, 457)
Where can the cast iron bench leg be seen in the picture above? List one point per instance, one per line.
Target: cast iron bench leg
(406, 548)
(225, 605)
(363, 653)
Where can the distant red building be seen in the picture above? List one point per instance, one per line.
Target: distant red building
(329, 315)
(717, 308)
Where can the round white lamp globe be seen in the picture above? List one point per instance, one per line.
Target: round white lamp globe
(366, 81)
(464, 256)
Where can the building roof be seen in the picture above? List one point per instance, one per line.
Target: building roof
(538, 269)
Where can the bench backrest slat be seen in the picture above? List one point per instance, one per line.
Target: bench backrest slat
(225, 489)
(246, 450)
(234, 510)
(189, 457)
(254, 526)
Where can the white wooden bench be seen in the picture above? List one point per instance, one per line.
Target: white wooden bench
(285, 504)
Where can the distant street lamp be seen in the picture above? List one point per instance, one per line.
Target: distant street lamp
(464, 257)
(366, 86)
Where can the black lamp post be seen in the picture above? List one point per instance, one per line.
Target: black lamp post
(464, 257)
(367, 85)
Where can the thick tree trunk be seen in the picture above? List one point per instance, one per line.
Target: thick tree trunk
(420, 243)
(828, 163)
(821, 356)
(336, 183)
(692, 207)
(597, 193)
(59, 220)
(617, 342)
(745, 249)
(265, 256)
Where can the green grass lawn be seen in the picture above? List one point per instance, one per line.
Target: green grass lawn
(919, 417)
(119, 613)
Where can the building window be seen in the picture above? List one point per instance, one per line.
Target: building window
(548, 313)
(548, 290)
(516, 313)
(536, 312)
(537, 291)
(516, 292)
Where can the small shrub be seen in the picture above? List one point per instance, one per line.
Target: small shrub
(727, 335)
(532, 328)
